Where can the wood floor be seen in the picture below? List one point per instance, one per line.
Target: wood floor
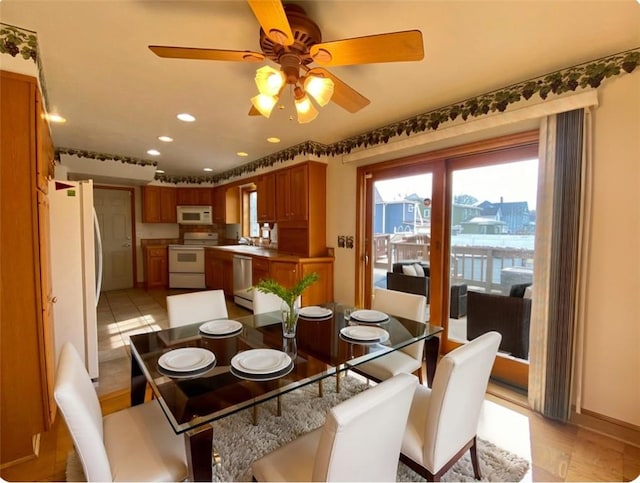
(559, 452)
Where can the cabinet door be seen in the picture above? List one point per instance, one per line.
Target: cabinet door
(285, 273)
(259, 269)
(219, 204)
(45, 152)
(266, 187)
(299, 193)
(157, 267)
(186, 196)
(204, 196)
(282, 199)
(213, 272)
(151, 204)
(168, 205)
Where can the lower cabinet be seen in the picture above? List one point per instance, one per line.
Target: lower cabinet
(156, 267)
(218, 271)
(288, 273)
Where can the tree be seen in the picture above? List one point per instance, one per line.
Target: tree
(465, 200)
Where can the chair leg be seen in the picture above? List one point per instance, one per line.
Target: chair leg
(320, 393)
(418, 372)
(279, 406)
(474, 459)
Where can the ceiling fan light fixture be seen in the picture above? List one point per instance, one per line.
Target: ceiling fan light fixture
(264, 104)
(269, 80)
(320, 88)
(306, 111)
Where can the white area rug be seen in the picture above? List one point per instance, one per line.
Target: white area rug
(240, 443)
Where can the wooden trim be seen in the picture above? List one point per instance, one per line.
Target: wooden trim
(134, 238)
(599, 423)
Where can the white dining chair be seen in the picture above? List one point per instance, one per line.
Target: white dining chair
(265, 302)
(443, 421)
(360, 440)
(192, 307)
(134, 444)
(409, 358)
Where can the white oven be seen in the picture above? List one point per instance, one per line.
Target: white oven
(186, 262)
(195, 215)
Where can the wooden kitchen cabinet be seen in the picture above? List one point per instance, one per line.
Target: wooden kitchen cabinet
(194, 196)
(288, 273)
(156, 267)
(226, 204)
(259, 270)
(27, 352)
(218, 270)
(266, 188)
(285, 273)
(302, 231)
(159, 204)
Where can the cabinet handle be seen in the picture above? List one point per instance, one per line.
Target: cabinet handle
(53, 300)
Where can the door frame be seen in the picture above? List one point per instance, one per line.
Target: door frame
(513, 371)
(134, 239)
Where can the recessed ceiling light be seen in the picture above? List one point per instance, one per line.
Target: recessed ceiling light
(186, 117)
(165, 139)
(242, 153)
(207, 169)
(153, 152)
(273, 140)
(57, 118)
(160, 171)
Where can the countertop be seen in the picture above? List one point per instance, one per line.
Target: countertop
(271, 253)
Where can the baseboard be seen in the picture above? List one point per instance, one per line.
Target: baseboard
(614, 428)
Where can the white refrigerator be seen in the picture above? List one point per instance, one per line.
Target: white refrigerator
(76, 268)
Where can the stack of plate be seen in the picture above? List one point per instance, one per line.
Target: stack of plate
(362, 334)
(221, 328)
(187, 362)
(315, 312)
(261, 364)
(369, 316)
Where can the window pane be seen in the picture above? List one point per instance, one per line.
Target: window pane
(253, 214)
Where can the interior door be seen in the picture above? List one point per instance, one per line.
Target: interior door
(113, 208)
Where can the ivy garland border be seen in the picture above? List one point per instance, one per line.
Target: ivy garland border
(591, 74)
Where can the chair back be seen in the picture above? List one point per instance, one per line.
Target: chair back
(458, 391)
(361, 438)
(403, 304)
(265, 302)
(189, 308)
(80, 408)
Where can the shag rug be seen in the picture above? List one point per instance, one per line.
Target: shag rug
(239, 443)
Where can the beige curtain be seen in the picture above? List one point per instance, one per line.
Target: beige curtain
(562, 221)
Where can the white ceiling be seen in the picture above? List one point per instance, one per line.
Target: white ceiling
(118, 97)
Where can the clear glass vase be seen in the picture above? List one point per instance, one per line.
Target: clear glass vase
(290, 319)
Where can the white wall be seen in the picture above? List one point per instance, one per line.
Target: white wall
(611, 385)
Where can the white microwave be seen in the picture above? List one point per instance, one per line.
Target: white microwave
(195, 215)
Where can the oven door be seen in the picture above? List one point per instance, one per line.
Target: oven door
(184, 259)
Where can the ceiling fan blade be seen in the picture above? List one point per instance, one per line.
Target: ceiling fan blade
(206, 54)
(390, 47)
(343, 95)
(273, 20)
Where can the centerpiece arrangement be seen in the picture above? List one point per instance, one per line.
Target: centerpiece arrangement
(290, 299)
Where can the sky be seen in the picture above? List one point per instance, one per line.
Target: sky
(513, 181)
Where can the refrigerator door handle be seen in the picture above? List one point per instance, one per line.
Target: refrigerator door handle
(96, 228)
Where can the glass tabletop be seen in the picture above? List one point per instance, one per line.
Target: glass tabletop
(321, 348)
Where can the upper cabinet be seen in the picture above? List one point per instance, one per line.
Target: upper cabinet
(266, 188)
(194, 196)
(159, 204)
(226, 204)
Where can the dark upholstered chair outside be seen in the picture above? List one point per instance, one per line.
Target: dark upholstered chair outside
(511, 316)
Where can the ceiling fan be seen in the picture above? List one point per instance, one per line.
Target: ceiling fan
(291, 39)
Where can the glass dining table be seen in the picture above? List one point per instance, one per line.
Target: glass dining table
(322, 348)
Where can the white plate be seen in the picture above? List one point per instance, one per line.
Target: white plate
(260, 361)
(220, 327)
(186, 359)
(315, 312)
(363, 332)
(369, 316)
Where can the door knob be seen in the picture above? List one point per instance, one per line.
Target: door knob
(126, 245)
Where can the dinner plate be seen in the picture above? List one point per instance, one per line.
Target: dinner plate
(186, 359)
(370, 316)
(364, 333)
(261, 377)
(188, 375)
(315, 312)
(260, 361)
(221, 327)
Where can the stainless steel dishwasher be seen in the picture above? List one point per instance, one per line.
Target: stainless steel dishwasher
(242, 281)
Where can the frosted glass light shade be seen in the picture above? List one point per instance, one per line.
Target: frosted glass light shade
(320, 88)
(264, 104)
(269, 80)
(306, 111)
